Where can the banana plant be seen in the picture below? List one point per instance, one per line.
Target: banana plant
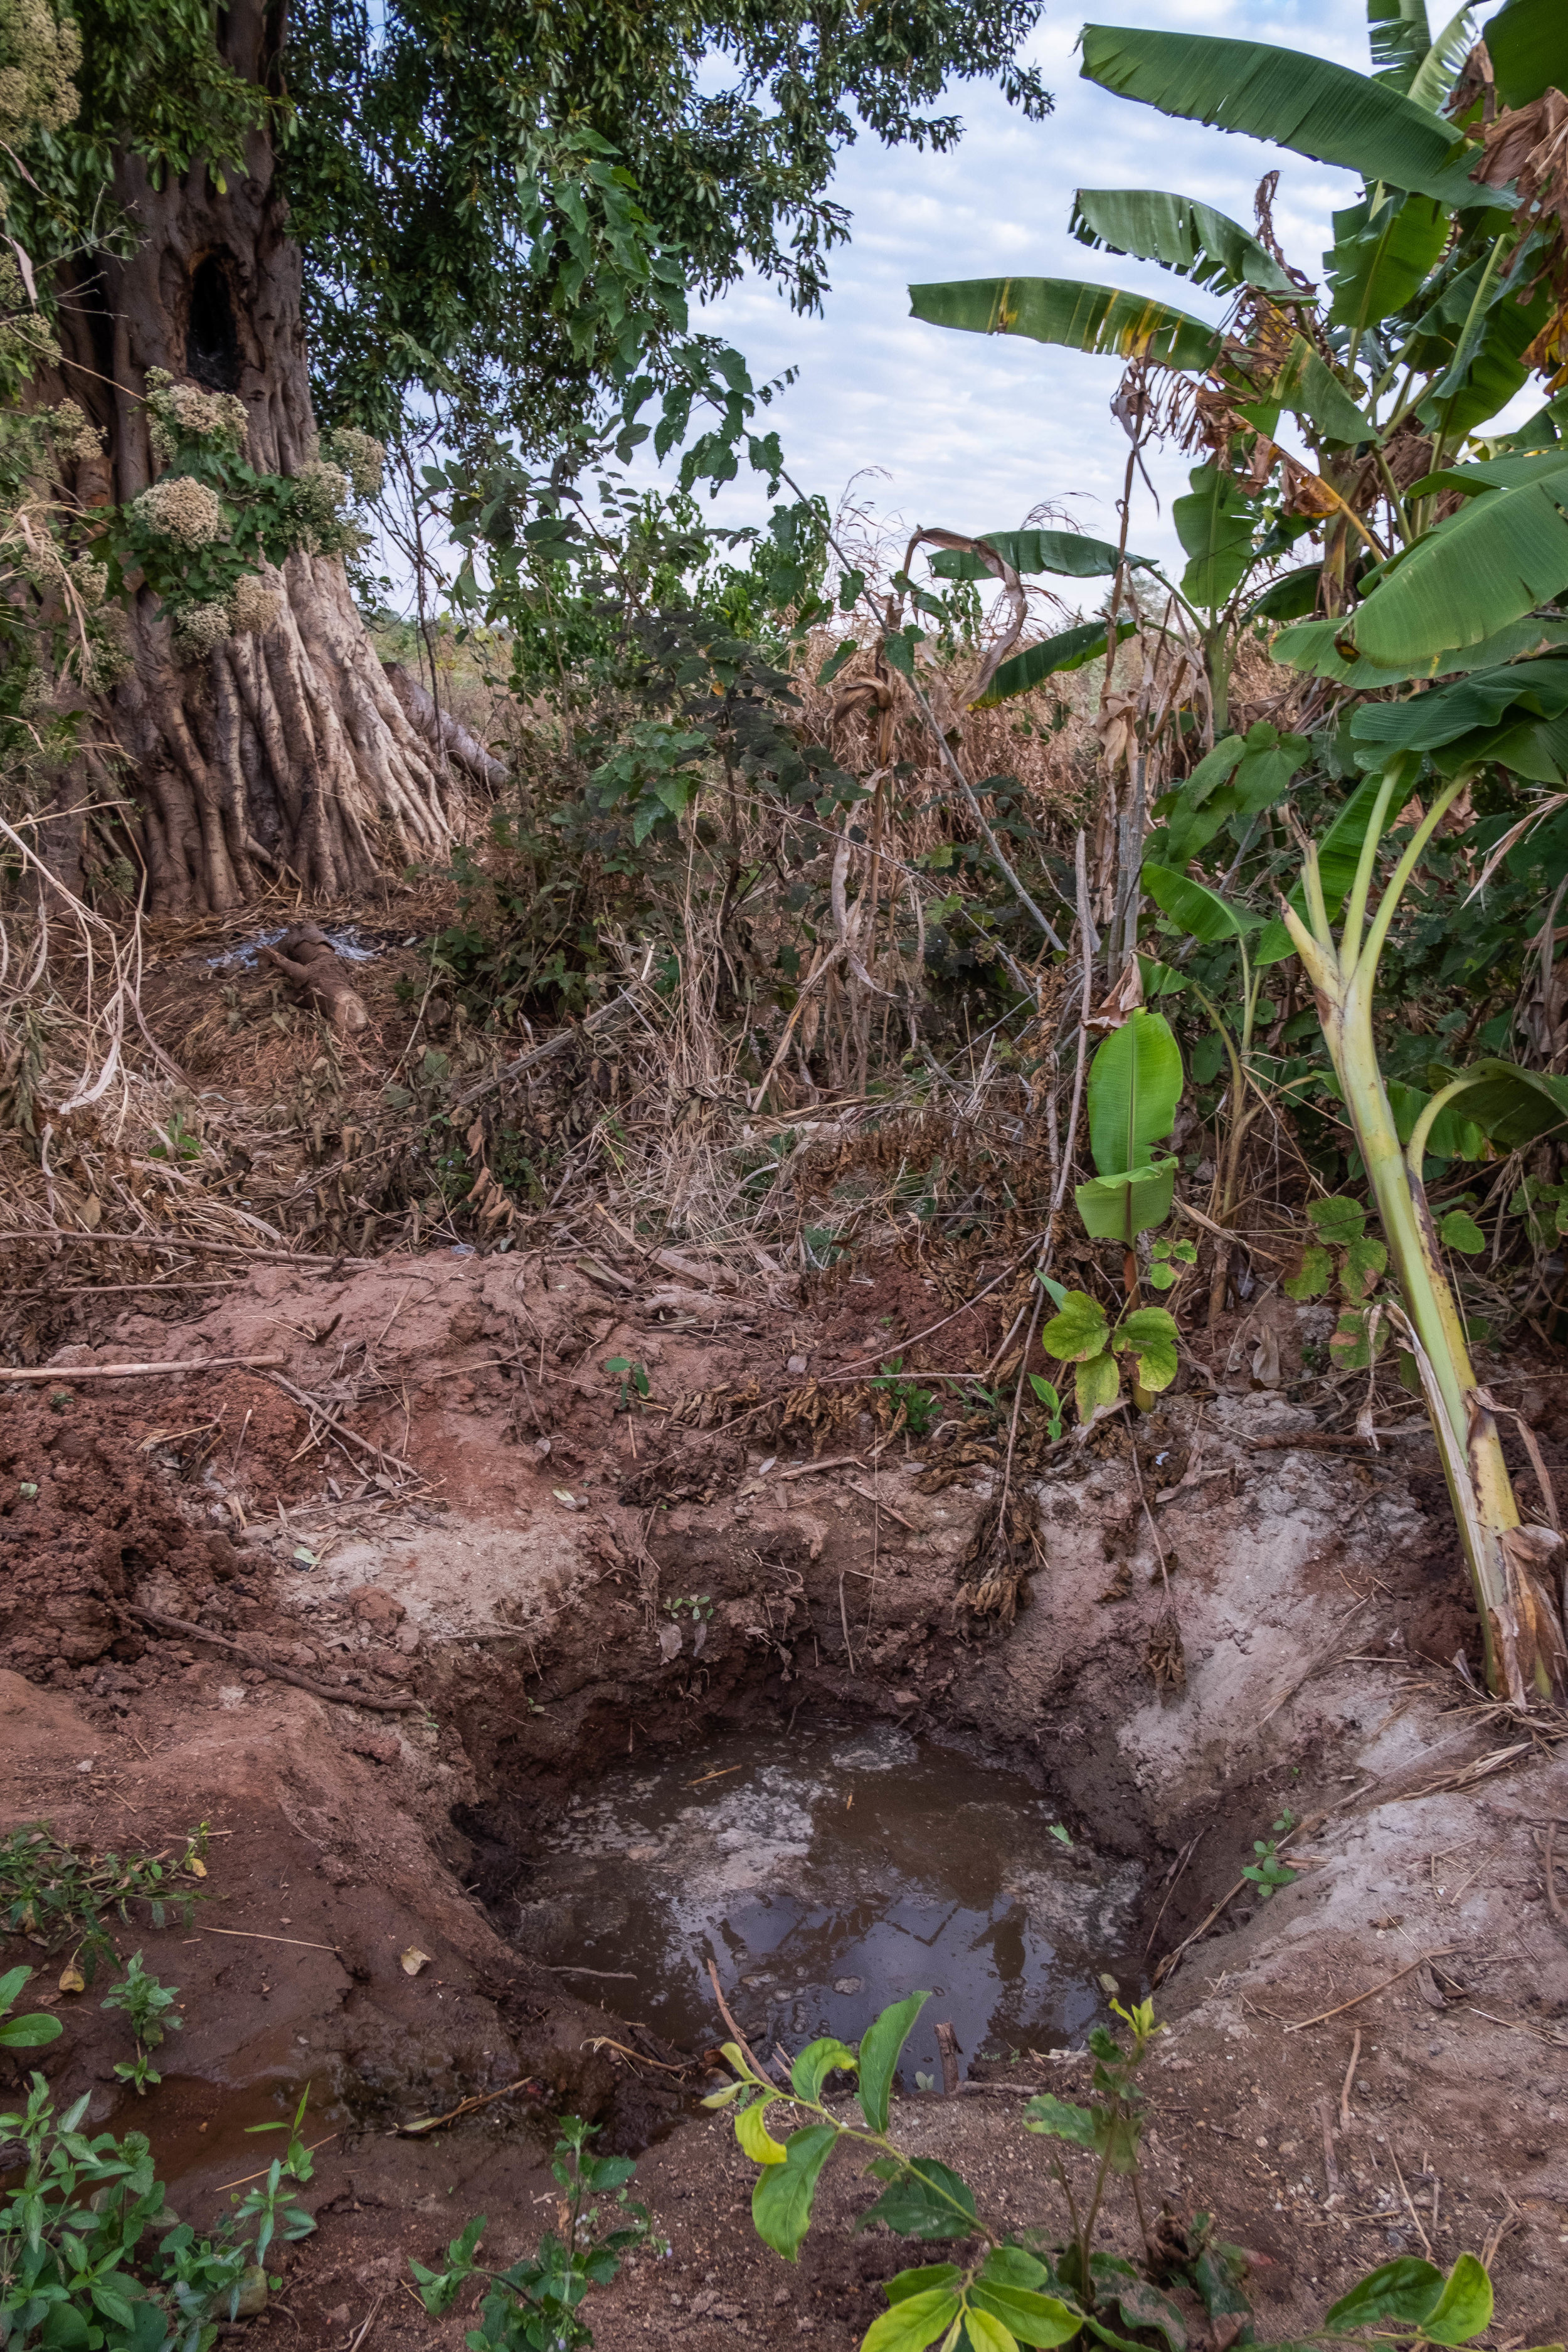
(1134, 1086)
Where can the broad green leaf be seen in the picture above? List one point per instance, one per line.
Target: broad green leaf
(1527, 42)
(911, 2324)
(1465, 2305)
(986, 2332)
(1352, 1344)
(1312, 1276)
(880, 2046)
(817, 2062)
(1439, 72)
(1095, 1382)
(1134, 1086)
(1460, 1232)
(1491, 563)
(1468, 713)
(1149, 1336)
(1302, 102)
(30, 2033)
(1305, 383)
(1012, 2266)
(1366, 1261)
(1070, 553)
(924, 2199)
(1403, 2290)
(1030, 2318)
(1289, 598)
(1080, 1330)
(1512, 1107)
(922, 2280)
(1380, 258)
(1069, 649)
(1217, 523)
(756, 2141)
(1182, 234)
(1066, 311)
(1339, 1221)
(1400, 37)
(1119, 1208)
(1314, 646)
(1199, 911)
(1060, 2119)
(722, 2098)
(780, 2201)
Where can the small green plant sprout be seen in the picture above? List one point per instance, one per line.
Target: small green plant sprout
(1360, 1260)
(634, 1380)
(175, 1142)
(1062, 1834)
(27, 2032)
(698, 1606)
(1110, 2129)
(1134, 1086)
(1166, 1260)
(537, 2302)
(914, 1408)
(264, 2204)
(57, 1894)
(1269, 1873)
(1081, 1333)
(1045, 1392)
(146, 2003)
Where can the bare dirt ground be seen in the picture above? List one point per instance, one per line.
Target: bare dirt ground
(467, 1571)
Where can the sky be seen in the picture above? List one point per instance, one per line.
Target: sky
(970, 433)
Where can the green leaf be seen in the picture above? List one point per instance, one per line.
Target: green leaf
(924, 2199)
(1527, 42)
(1081, 1330)
(1217, 523)
(1314, 647)
(1200, 911)
(836, 660)
(1183, 236)
(1029, 2318)
(817, 2062)
(1050, 657)
(1149, 1336)
(1302, 102)
(1289, 598)
(1338, 853)
(881, 2047)
(1304, 382)
(782, 2199)
(1400, 37)
(32, 2032)
(985, 2332)
(1380, 258)
(1119, 1208)
(1403, 2290)
(756, 2139)
(922, 2280)
(1460, 1232)
(1513, 1107)
(1365, 1262)
(1134, 1086)
(1351, 1349)
(1465, 2305)
(1312, 1276)
(1069, 312)
(1439, 72)
(1096, 1381)
(1059, 2119)
(1492, 562)
(1070, 553)
(914, 2322)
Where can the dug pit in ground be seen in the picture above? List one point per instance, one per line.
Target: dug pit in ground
(465, 1541)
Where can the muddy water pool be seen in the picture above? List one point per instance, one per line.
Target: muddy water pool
(826, 1875)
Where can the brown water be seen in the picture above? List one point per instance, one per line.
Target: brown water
(827, 1876)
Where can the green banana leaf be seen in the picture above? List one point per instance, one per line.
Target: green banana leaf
(1070, 650)
(1289, 598)
(1439, 70)
(1400, 37)
(1492, 563)
(1306, 384)
(1527, 42)
(1308, 104)
(1135, 1086)
(1547, 428)
(1338, 855)
(1199, 911)
(1512, 1107)
(1183, 236)
(1517, 715)
(1314, 647)
(1508, 470)
(1070, 553)
(1488, 366)
(1119, 1208)
(1217, 523)
(1066, 311)
(1381, 258)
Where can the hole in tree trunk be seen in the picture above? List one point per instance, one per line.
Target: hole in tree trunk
(212, 340)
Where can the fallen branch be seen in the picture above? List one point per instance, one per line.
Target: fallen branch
(466, 2106)
(161, 1624)
(558, 1044)
(60, 1373)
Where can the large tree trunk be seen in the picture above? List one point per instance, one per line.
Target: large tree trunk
(283, 756)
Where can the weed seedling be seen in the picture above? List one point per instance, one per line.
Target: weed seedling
(698, 1606)
(1048, 1396)
(1269, 1873)
(146, 2004)
(57, 1894)
(634, 1380)
(918, 1405)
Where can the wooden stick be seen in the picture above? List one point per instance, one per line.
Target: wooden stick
(464, 2106)
(61, 1373)
(1330, 2169)
(341, 1428)
(156, 1618)
(50, 1235)
(867, 1496)
(255, 1936)
(724, 2013)
(947, 2044)
(834, 1462)
(1350, 2078)
(1300, 2024)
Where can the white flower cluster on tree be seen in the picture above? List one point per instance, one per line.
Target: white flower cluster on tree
(360, 455)
(39, 59)
(255, 605)
(184, 509)
(183, 412)
(201, 629)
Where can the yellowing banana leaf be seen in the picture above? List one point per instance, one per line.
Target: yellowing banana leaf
(1181, 234)
(1069, 649)
(1527, 42)
(1119, 1208)
(1066, 311)
(1308, 104)
(1506, 553)
(1071, 552)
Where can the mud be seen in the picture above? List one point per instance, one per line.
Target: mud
(525, 1593)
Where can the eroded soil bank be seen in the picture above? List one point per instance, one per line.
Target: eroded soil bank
(478, 1574)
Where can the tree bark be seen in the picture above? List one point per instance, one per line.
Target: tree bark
(282, 756)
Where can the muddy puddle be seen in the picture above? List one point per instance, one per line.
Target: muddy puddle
(826, 1875)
